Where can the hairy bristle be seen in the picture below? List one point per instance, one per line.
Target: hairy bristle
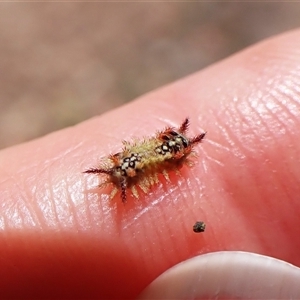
(197, 138)
(97, 171)
(123, 192)
(184, 126)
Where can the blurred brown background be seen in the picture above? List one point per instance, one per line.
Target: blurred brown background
(61, 63)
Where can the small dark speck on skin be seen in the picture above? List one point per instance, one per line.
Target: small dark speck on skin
(199, 226)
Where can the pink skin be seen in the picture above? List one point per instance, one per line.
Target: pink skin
(61, 236)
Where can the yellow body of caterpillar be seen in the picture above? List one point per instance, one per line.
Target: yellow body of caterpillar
(140, 162)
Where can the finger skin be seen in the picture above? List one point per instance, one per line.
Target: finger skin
(61, 236)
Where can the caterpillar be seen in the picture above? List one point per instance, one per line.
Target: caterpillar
(140, 162)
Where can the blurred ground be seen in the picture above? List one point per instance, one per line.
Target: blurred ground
(61, 63)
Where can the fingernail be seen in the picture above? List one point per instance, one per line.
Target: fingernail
(229, 274)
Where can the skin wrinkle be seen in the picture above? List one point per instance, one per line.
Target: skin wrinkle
(3, 224)
(138, 245)
(107, 224)
(92, 221)
(149, 258)
(74, 212)
(205, 187)
(216, 145)
(8, 176)
(210, 158)
(21, 205)
(252, 103)
(241, 219)
(218, 215)
(41, 168)
(260, 129)
(22, 212)
(276, 116)
(293, 82)
(294, 98)
(62, 201)
(190, 193)
(202, 216)
(186, 227)
(207, 168)
(29, 207)
(28, 217)
(59, 191)
(218, 114)
(167, 257)
(51, 200)
(269, 231)
(282, 115)
(224, 133)
(284, 104)
(45, 206)
(41, 172)
(253, 176)
(82, 217)
(254, 183)
(5, 205)
(137, 216)
(87, 207)
(165, 236)
(182, 187)
(261, 112)
(193, 213)
(285, 212)
(113, 215)
(229, 137)
(287, 92)
(161, 238)
(162, 235)
(75, 188)
(173, 245)
(153, 246)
